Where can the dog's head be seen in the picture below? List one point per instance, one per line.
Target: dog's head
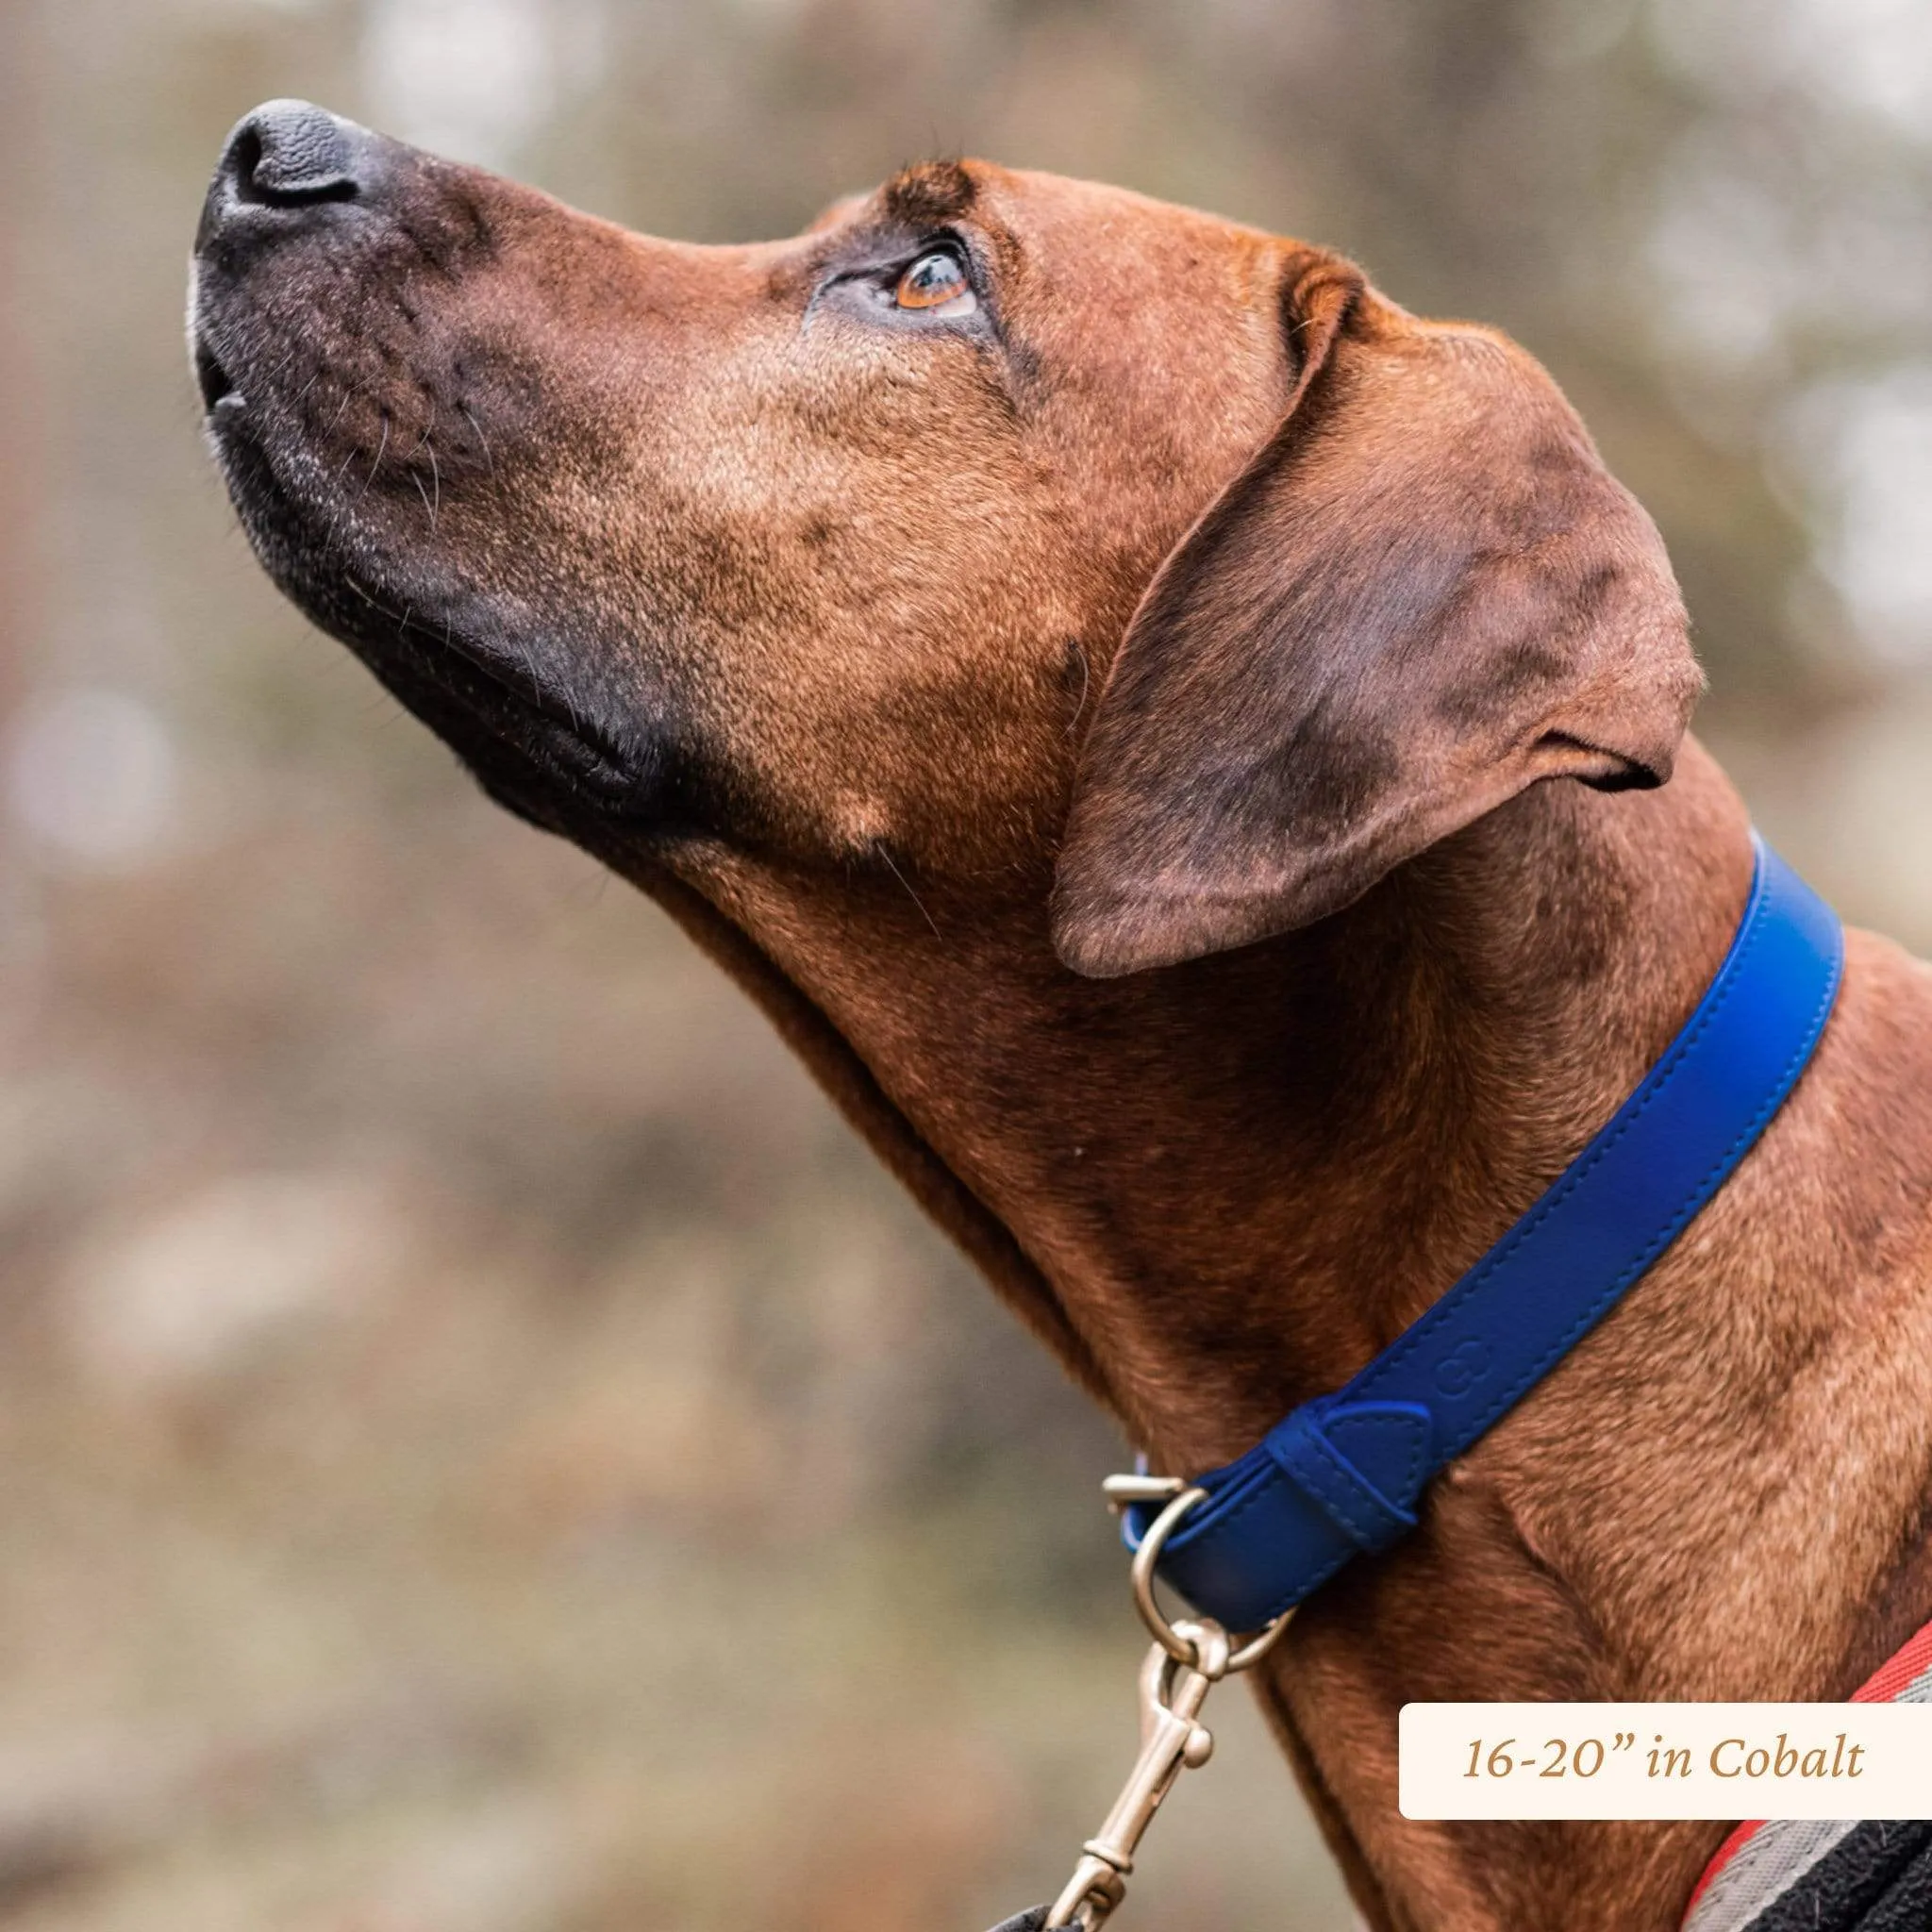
(997, 525)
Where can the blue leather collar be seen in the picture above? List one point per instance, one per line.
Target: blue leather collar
(1341, 1476)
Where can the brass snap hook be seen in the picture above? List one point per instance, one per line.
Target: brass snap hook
(1188, 1659)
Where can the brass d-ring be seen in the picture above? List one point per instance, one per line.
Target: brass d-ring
(1176, 1644)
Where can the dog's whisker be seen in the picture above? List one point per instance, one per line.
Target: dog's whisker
(568, 694)
(374, 602)
(489, 455)
(528, 662)
(1085, 685)
(370, 480)
(879, 847)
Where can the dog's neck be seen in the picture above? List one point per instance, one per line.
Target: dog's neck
(1237, 1179)
(1218, 1188)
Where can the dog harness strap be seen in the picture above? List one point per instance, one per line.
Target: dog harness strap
(1343, 1473)
(1827, 1875)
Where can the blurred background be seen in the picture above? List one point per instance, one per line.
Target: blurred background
(482, 1450)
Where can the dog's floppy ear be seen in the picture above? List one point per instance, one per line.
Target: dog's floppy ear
(1423, 593)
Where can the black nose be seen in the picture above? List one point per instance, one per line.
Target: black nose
(291, 154)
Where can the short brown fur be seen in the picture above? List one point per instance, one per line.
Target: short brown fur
(813, 626)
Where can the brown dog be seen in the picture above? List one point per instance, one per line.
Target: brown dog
(1087, 670)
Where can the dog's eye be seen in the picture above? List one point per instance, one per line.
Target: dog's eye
(937, 283)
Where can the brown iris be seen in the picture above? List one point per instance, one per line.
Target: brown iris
(934, 281)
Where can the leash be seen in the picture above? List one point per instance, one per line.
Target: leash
(1341, 1476)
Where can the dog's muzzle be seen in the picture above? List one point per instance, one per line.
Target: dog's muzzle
(384, 435)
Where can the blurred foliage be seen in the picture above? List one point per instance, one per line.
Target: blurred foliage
(485, 1452)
